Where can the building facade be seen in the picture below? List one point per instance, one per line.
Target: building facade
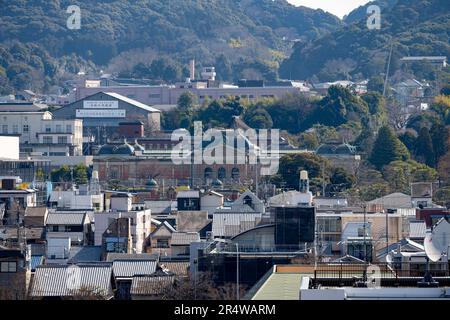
(41, 134)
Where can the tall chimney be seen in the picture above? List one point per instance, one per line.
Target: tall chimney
(192, 69)
(304, 182)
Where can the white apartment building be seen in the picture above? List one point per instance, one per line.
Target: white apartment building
(140, 226)
(41, 134)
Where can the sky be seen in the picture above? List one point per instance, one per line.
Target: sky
(337, 7)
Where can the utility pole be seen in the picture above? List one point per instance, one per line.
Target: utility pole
(365, 244)
(237, 271)
(388, 69)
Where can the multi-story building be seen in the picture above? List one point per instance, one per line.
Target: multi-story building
(41, 134)
(102, 113)
(139, 223)
(169, 94)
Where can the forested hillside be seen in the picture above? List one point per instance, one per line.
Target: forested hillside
(419, 27)
(249, 36)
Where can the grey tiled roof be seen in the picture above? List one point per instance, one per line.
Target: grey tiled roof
(176, 267)
(184, 238)
(62, 281)
(151, 286)
(130, 268)
(67, 218)
(112, 256)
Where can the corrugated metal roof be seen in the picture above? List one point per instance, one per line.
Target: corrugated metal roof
(132, 102)
(184, 238)
(62, 281)
(417, 229)
(130, 268)
(231, 224)
(69, 218)
(188, 194)
(151, 286)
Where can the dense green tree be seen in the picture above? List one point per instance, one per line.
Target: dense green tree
(186, 102)
(63, 174)
(80, 174)
(376, 84)
(290, 167)
(445, 91)
(442, 197)
(374, 191)
(441, 144)
(224, 68)
(220, 113)
(258, 118)
(341, 180)
(423, 149)
(399, 174)
(409, 138)
(444, 168)
(308, 140)
(387, 148)
(339, 106)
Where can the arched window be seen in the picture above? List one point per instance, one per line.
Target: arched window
(235, 174)
(208, 173)
(222, 174)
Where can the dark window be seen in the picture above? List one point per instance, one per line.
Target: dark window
(235, 174)
(208, 173)
(248, 201)
(222, 174)
(162, 243)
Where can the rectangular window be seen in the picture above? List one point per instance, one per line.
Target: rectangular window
(8, 266)
(26, 128)
(62, 140)
(47, 139)
(162, 243)
(5, 129)
(69, 128)
(15, 129)
(48, 128)
(58, 128)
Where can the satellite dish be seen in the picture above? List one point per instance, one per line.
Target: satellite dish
(432, 252)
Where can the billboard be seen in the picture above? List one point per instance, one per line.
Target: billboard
(100, 104)
(100, 113)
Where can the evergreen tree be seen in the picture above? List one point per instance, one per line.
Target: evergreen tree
(424, 148)
(440, 137)
(387, 148)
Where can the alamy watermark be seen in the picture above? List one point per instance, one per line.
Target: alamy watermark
(374, 19)
(74, 20)
(73, 282)
(233, 147)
